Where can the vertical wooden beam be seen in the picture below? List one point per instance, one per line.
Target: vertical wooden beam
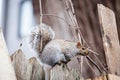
(6, 69)
(110, 38)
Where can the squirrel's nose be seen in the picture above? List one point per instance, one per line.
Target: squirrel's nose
(86, 52)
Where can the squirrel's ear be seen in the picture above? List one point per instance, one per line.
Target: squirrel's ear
(78, 44)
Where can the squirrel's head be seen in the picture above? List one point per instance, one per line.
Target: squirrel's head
(83, 51)
(46, 34)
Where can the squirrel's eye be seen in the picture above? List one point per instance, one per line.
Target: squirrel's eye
(83, 48)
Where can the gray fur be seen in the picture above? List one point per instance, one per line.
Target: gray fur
(53, 51)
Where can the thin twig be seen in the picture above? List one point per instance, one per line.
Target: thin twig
(94, 63)
(72, 18)
(90, 66)
(41, 17)
(74, 22)
(93, 52)
(83, 39)
(79, 32)
(100, 64)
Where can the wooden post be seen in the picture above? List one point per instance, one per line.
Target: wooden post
(26, 69)
(110, 38)
(31, 70)
(6, 69)
(62, 73)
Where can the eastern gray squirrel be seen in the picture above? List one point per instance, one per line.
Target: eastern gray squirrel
(54, 51)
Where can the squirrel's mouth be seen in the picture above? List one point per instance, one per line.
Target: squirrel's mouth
(84, 52)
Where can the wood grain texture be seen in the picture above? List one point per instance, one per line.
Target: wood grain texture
(31, 70)
(26, 69)
(110, 38)
(6, 68)
(113, 77)
(62, 73)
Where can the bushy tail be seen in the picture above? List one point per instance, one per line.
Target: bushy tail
(47, 34)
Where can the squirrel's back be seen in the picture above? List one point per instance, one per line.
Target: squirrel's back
(58, 50)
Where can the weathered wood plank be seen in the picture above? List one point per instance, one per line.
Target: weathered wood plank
(110, 38)
(107, 77)
(113, 77)
(26, 69)
(31, 70)
(62, 73)
(6, 69)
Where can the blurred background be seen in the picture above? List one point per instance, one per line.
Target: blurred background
(18, 16)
